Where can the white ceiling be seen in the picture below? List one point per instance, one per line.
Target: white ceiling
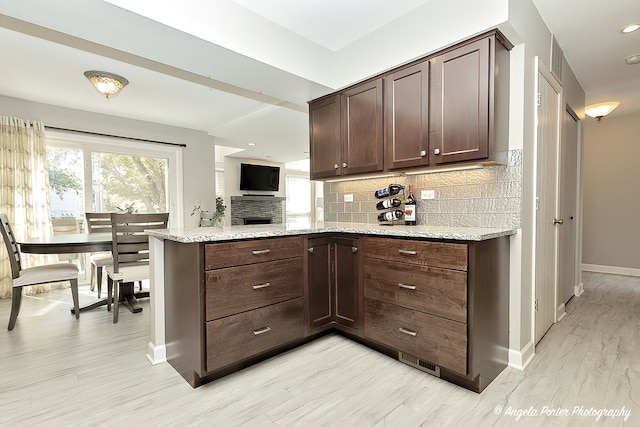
(220, 74)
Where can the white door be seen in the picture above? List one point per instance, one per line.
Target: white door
(567, 231)
(548, 136)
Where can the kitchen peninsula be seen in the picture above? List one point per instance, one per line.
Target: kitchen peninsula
(436, 298)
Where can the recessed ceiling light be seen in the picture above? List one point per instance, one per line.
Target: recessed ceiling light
(630, 28)
(251, 144)
(633, 59)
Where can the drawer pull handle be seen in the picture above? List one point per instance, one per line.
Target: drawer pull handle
(310, 250)
(404, 252)
(261, 331)
(264, 251)
(264, 285)
(408, 332)
(410, 287)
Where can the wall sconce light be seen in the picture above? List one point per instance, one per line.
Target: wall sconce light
(598, 111)
(107, 84)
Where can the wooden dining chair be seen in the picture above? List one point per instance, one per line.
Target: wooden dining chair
(130, 251)
(98, 222)
(39, 275)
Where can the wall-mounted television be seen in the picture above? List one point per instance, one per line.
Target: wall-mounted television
(259, 178)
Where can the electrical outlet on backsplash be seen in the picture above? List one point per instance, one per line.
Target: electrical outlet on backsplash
(485, 197)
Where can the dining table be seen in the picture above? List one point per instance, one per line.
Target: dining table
(82, 243)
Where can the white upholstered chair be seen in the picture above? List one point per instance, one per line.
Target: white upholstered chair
(39, 275)
(130, 251)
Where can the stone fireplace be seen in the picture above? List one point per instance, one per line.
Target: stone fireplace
(247, 210)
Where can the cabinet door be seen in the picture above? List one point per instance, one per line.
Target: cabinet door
(460, 88)
(406, 117)
(347, 282)
(324, 138)
(319, 282)
(362, 138)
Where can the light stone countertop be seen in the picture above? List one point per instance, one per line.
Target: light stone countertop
(241, 232)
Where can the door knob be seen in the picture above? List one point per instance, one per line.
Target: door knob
(557, 221)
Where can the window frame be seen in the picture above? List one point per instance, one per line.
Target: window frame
(105, 144)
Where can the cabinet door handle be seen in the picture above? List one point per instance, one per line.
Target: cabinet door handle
(410, 287)
(344, 164)
(262, 252)
(310, 250)
(354, 249)
(336, 166)
(406, 331)
(264, 285)
(423, 153)
(261, 331)
(436, 151)
(405, 252)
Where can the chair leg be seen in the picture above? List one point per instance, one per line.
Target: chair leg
(74, 295)
(116, 297)
(109, 292)
(16, 302)
(92, 284)
(99, 280)
(140, 285)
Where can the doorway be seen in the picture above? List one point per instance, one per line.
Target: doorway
(568, 230)
(547, 219)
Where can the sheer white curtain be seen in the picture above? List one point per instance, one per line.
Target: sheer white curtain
(24, 191)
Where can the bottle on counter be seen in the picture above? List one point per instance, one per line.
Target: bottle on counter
(393, 215)
(389, 191)
(410, 208)
(389, 203)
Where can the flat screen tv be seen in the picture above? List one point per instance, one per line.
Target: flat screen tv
(259, 178)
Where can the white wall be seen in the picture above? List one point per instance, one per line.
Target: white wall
(611, 204)
(232, 180)
(198, 157)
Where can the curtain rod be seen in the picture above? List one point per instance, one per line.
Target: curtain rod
(115, 136)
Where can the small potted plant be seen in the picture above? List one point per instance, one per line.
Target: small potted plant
(220, 208)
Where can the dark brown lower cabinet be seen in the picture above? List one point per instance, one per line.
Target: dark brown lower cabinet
(334, 274)
(439, 305)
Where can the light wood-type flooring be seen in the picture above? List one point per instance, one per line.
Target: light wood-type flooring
(55, 370)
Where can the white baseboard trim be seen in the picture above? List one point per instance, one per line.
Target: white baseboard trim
(560, 312)
(608, 269)
(578, 290)
(157, 354)
(521, 359)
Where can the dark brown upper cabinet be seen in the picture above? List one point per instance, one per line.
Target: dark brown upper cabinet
(324, 138)
(406, 117)
(345, 132)
(445, 108)
(362, 137)
(463, 103)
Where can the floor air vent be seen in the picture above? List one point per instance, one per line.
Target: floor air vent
(418, 363)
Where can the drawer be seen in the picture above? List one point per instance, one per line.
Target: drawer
(236, 289)
(436, 254)
(234, 338)
(434, 339)
(229, 254)
(431, 290)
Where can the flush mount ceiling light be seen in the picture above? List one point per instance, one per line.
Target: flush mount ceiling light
(108, 84)
(630, 28)
(598, 111)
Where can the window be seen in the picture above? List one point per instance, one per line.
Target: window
(299, 193)
(102, 174)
